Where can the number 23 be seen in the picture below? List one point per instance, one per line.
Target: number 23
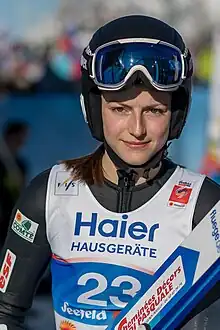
(102, 284)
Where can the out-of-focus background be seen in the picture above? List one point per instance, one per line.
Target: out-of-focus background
(40, 117)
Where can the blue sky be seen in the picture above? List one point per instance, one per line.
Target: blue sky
(19, 15)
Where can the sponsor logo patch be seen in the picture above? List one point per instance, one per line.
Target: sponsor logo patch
(6, 271)
(65, 186)
(180, 196)
(24, 227)
(66, 325)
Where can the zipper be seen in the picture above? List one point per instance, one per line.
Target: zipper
(126, 183)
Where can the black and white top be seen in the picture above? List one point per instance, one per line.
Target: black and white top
(103, 242)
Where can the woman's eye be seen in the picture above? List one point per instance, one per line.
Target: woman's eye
(119, 109)
(156, 111)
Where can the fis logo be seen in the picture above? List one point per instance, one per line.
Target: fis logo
(68, 183)
(65, 185)
(113, 227)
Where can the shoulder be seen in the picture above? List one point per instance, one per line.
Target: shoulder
(33, 198)
(59, 173)
(209, 195)
(58, 181)
(186, 176)
(31, 209)
(210, 186)
(193, 174)
(42, 180)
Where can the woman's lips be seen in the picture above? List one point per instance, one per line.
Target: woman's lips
(136, 145)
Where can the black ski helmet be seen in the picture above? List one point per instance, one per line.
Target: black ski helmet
(134, 26)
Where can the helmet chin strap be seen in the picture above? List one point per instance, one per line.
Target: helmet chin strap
(150, 164)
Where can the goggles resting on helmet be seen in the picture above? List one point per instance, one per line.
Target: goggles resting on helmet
(115, 62)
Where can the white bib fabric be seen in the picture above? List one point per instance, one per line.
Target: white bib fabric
(102, 259)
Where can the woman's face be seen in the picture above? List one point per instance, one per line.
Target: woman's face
(136, 122)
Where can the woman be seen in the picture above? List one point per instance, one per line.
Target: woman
(110, 219)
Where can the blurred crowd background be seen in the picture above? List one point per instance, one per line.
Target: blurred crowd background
(40, 47)
(40, 43)
(40, 118)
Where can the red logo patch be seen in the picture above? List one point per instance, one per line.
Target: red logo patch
(6, 270)
(180, 196)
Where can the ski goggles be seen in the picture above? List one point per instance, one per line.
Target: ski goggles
(115, 62)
